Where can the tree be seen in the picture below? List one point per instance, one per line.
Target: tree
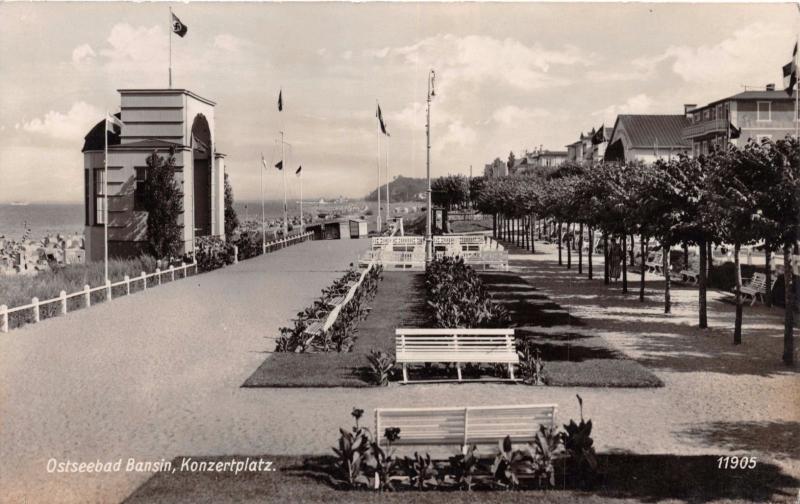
(231, 219)
(450, 191)
(512, 159)
(163, 202)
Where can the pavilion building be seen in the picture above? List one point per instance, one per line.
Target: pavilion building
(162, 121)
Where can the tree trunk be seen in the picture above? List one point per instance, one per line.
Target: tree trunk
(605, 258)
(710, 256)
(633, 253)
(558, 240)
(533, 233)
(702, 282)
(768, 268)
(737, 328)
(624, 264)
(665, 270)
(685, 255)
(643, 251)
(591, 252)
(569, 246)
(580, 249)
(789, 302)
(494, 226)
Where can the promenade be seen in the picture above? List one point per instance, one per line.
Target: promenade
(152, 375)
(158, 375)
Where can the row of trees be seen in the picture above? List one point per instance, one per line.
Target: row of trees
(736, 196)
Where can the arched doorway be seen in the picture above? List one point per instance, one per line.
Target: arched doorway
(202, 156)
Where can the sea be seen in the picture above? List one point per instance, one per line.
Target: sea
(67, 218)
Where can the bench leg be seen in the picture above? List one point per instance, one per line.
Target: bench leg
(405, 374)
(511, 371)
(458, 369)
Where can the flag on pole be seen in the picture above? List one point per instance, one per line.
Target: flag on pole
(599, 136)
(111, 121)
(263, 161)
(790, 72)
(178, 27)
(299, 169)
(280, 100)
(379, 115)
(735, 132)
(279, 165)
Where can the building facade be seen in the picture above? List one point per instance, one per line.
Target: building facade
(496, 168)
(647, 138)
(744, 116)
(154, 120)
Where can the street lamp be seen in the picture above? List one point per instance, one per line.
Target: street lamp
(428, 237)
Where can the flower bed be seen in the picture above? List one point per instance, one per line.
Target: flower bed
(567, 456)
(340, 336)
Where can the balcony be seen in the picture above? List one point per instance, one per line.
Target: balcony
(705, 128)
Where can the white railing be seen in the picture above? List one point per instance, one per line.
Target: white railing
(35, 305)
(283, 242)
(485, 258)
(394, 259)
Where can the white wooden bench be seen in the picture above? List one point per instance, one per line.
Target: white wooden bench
(459, 426)
(458, 346)
(756, 286)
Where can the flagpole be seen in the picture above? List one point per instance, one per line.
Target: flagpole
(170, 47)
(378, 141)
(428, 216)
(263, 228)
(388, 209)
(797, 90)
(105, 198)
(301, 200)
(285, 213)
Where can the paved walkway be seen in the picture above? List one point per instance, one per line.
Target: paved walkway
(150, 376)
(168, 384)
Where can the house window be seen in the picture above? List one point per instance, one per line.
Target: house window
(706, 114)
(764, 111)
(87, 196)
(138, 191)
(99, 196)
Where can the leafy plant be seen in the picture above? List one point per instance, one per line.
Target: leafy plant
(531, 365)
(381, 366)
(547, 445)
(463, 466)
(382, 463)
(578, 443)
(508, 464)
(352, 452)
(420, 471)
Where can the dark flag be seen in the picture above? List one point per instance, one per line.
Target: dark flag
(790, 72)
(379, 115)
(735, 132)
(178, 27)
(279, 165)
(600, 136)
(280, 100)
(299, 169)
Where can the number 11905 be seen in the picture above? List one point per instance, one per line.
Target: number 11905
(736, 463)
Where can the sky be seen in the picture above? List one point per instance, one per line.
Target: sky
(508, 77)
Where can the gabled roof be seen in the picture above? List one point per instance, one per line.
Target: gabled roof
(778, 94)
(646, 131)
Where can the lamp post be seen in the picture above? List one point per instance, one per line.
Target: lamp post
(428, 219)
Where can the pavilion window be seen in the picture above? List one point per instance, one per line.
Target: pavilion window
(99, 196)
(138, 192)
(764, 111)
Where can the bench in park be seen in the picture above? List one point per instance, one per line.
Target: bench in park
(756, 286)
(654, 265)
(455, 346)
(463, 426)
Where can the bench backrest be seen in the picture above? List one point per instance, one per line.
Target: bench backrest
(454, 340)
(758, 282)
(480, 425)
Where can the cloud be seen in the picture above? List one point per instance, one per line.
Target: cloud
(480, 59)
(456, 134)
(228, 42)
(136, 50)
(71, 125)
(83, 54)
(638, 104)
(512, 114)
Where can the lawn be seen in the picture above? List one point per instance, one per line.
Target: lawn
(309, 479)
(396, 304)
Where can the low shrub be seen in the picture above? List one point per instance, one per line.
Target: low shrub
(381, 367)
(212, 252)
(531, 364)
(249, 244)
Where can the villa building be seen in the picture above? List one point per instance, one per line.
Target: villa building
(647, 138)
(495, 169)
(752, 114)
(157, 120)
(588, 149)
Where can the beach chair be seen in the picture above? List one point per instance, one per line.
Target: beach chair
(755, 287)
(654, 263)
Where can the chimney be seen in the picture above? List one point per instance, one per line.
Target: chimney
(688, 107)
(770, 87)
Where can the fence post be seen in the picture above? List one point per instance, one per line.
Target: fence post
(158, 275)
(63, 296)
(144, 281)
(235, 254)
(35, 303)
(172, 272)
(183, 267)
(3, 318)
(127, 285)
(108, 290)
(87, 295)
